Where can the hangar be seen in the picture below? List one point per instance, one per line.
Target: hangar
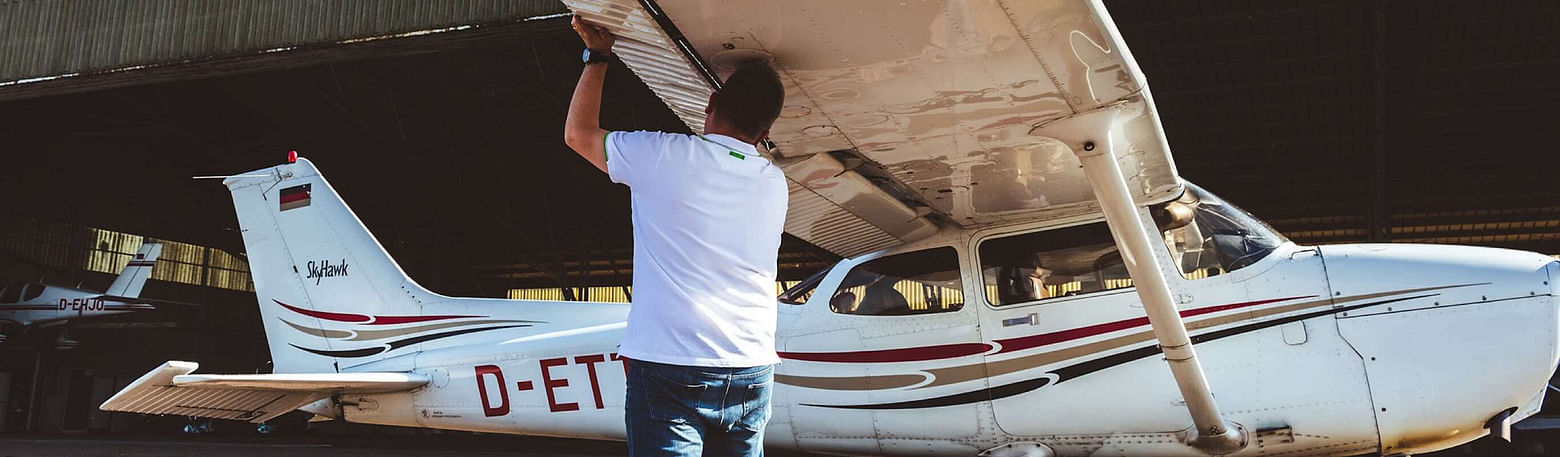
(1335, 121)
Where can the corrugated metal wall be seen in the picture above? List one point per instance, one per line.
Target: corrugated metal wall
(42, 38)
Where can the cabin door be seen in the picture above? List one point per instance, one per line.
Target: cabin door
(858, 362)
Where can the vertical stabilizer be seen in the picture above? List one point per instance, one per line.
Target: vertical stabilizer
(319, 274)
(133, 277)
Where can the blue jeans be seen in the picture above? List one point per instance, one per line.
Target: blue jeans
(675, 410)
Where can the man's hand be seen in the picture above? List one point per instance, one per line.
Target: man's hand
(596, 37)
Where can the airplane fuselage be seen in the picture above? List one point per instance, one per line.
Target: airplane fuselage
(1028, 338)
(55, 305)
(44, 305)
(1322, 351)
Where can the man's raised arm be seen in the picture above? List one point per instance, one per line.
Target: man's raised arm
(582, 129)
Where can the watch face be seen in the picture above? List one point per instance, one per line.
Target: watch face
(585, 57)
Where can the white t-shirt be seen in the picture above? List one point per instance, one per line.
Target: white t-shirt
(708, 212)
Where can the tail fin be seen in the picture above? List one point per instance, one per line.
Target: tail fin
(318, 272)
(133, 277)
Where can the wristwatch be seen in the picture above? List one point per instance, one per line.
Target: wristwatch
(593, 56)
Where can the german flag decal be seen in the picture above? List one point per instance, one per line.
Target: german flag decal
(295, 197)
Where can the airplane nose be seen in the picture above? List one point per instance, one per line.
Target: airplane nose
(1461, 336)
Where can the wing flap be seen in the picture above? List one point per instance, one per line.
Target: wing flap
(170, 389)
(653, 55)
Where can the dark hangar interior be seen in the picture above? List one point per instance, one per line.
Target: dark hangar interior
(1334, 121)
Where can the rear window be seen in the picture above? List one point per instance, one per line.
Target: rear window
(12, 294)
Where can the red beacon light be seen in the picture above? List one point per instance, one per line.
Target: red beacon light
(292, 156)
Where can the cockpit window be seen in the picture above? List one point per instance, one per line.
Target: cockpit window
(1051, 263)
(920, 282)
(33, 291)
(803, 291)
(1209, 237)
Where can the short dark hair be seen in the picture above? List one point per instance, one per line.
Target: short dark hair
(750, 99)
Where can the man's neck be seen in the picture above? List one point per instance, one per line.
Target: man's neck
(738, 136)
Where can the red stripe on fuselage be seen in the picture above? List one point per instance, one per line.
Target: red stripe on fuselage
(1008, 345)
(390, 320)
(338, 317)
(370, 320)
(1033, 341)
(892, 355)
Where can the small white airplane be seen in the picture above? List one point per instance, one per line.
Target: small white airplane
(38, 305)
(1025, 274)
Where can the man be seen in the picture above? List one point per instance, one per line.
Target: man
(708, 212)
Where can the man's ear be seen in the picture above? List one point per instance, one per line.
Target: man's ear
(709, 107)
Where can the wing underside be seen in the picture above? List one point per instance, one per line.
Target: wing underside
(904, 118)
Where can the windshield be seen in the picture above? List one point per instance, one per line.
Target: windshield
(1208, 236)
(799, 293)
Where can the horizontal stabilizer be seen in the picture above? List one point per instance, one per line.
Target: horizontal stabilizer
(171, 389)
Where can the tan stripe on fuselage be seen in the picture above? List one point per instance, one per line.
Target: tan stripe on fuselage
(953, 375)
(962, 373)
(852, 383)
(391, 333)
(323, 333)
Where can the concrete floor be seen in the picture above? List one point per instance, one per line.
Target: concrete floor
(88, 445)
(117, 446)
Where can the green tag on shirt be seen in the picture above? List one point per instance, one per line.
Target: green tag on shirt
(737, 155)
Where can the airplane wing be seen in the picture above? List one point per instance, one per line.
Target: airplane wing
(171, 389)
(902, 118)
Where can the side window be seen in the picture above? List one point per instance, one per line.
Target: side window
(33, 291)
(1053, 263)
(12, 294)
(920, 282)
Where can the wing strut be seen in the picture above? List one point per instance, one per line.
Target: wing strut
(1089, 136)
